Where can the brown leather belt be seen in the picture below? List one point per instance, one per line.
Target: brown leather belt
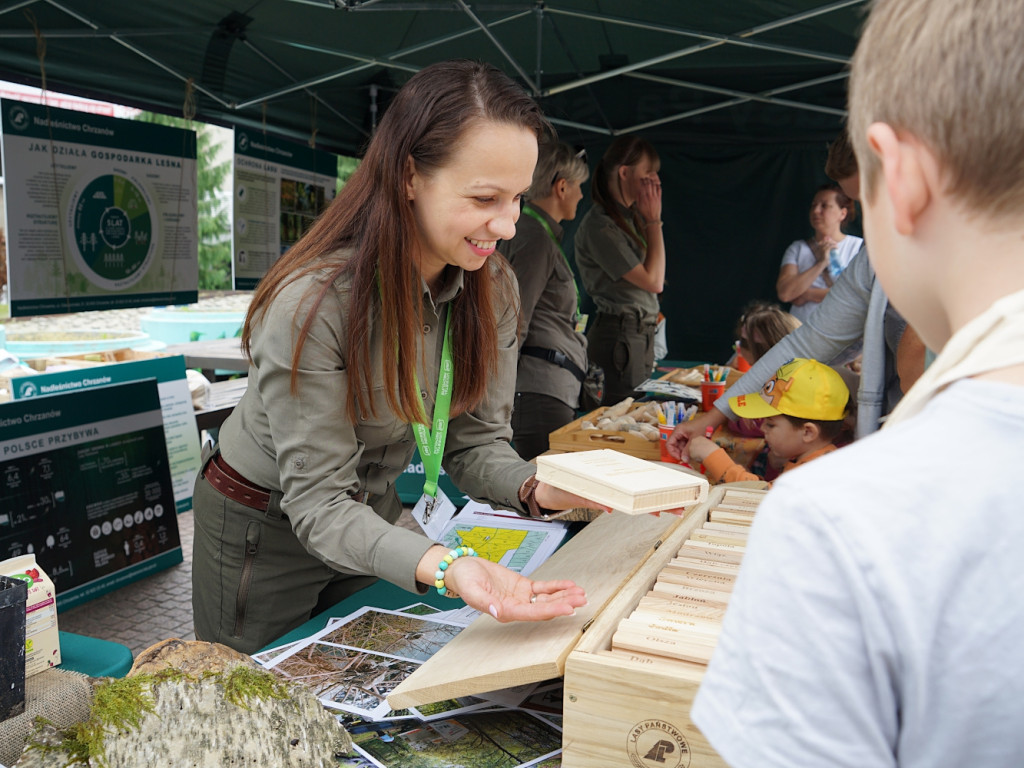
(234, 486)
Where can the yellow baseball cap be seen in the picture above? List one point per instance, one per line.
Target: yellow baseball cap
(805, 389)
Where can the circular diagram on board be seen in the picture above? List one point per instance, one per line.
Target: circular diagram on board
(112, 226)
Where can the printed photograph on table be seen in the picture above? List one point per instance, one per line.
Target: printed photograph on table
(502, 739)
(355, 662)
(265, 657)
(344, 678)
(546, 699)
(452, 707)
(419, 609)
(391, 632)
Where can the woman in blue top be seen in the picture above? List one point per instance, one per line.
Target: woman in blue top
(808, 267)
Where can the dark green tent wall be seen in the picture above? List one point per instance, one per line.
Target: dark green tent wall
(740, 97)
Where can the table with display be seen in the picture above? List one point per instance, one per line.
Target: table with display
(216, 358)
(212, 356)
(380, 594)
(743, 449)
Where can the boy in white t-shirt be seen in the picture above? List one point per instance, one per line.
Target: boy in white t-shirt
(877, 618)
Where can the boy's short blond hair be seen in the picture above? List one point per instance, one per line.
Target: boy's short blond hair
(951, 73)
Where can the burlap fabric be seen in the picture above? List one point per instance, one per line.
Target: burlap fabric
(61, 696)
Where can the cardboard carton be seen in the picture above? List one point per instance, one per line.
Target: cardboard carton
(42, 643)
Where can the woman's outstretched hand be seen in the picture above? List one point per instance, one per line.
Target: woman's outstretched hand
(504, 594)
(507, 596)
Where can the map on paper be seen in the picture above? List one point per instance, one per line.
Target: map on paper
(518, 544)
(513, 549)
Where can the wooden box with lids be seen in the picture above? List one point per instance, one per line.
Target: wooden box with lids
(626, 703)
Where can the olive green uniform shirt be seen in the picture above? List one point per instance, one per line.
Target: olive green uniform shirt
(548, 303)
(604, 253)
(338, 478)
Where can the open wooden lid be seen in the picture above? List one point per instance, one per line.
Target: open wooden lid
(489, 656)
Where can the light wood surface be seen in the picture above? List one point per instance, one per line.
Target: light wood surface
(706, 543)
(701, 538)
(679, 606)
(690, 563)
(488, 656)
(691, 647)
(701, 594)
(706, 553)
(621, 481)
(687, 670)
(737, 536)
(751, 497)
(733, 527)
(619, 704)
(717, 581)
(730, 516)
(609, 697)
(653, 616)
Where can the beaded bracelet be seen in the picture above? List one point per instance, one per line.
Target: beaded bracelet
(450, 558)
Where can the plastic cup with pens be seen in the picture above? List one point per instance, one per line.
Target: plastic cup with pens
(672, 413)
(664, 432)
(712, 387)
(709, 392)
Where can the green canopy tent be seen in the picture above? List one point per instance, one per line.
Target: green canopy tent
(739, 97)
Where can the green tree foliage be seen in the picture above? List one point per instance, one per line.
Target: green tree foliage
(214, 221)
(346, 165)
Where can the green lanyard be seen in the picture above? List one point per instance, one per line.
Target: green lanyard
(431, 444)
(547, 228)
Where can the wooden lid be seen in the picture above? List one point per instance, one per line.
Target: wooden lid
(489, 656)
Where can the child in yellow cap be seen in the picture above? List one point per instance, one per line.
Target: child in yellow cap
(803, 406)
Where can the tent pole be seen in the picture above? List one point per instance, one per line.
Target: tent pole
(390, 61)
(312, 93)
(501, 49)
(139, 52)
(740, 94)
(701, 47)
(735, 102)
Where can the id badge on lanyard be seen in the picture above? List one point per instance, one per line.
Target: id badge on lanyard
(435, 510)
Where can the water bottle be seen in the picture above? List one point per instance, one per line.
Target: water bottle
(834, 267)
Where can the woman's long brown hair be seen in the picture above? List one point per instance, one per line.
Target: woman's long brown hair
(373, 217)
(625, 150)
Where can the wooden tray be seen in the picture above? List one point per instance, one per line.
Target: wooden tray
(572, 438)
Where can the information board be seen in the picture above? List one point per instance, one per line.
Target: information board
(101, 211)
(280, 189)
(85, 486)
(179, 417)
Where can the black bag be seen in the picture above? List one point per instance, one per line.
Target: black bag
(592, 391)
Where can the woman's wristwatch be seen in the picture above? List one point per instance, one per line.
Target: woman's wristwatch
(528, 496)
